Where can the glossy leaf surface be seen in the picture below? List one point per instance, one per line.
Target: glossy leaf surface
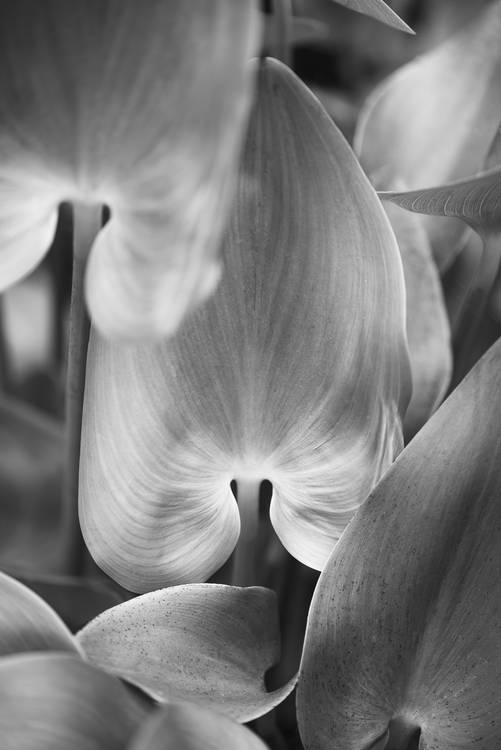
(206, 643)
(434, 119)
(27, 623)
(140, 108)
(183, 726)
(406, 619)
(296, 371)
(57, 702)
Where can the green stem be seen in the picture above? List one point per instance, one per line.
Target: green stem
(282, 19)
(86, 224)
(245, 559)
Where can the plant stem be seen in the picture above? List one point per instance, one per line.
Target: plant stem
(244, 571)
(282, 21)
(86, 224)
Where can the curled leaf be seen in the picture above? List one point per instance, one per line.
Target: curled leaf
(403, 632)
(276, 377)
(57, 702)
(434, 119)
(188, 727)
(205, 643)
(379, 10)
(476, 200)
(138, 108)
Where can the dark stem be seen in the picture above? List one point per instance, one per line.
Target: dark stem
(244, 571)
(282, 21)
(86, 224)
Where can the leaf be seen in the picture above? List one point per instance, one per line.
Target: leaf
(379, 10)
(30, 488)
(139, 109)
(207, 643)
(405, 620)
(27, 623)
(189, 727)
(428, 330)
(76, 600)
(303, 31)
(433, 120)
(57, 702)
(275, 378)
(476, 200)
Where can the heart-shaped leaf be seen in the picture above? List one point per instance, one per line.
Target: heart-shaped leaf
(406, 619)
(138, 107)
(58, 702)
(182, 726)
(296, 371)
(206, 643)
(433, 120)
(27, 623)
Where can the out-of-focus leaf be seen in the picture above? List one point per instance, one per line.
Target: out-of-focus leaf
(433, 120)
(30, 489)
(182, 726)
(296, 371)
(303, 31)
(58, 702)
(406, 619)
(379, 10)
(140, 108)
(27, 623)
(206, 643)
(428, 331)
(76, 600)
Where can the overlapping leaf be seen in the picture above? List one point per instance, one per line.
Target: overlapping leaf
(433, 120)
(189, 727)
(406, 620)
(56, 702)
(296, 371)
(138, 107)
(209, 644)
(428, 330)
(27, 623)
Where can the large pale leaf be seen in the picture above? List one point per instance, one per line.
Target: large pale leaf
(58, 702)
(206, 643)
(140, 107)
(182, 726)
(296, 371)
(30, 489)
(27, 623)
(433, 120)
(406, 619)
